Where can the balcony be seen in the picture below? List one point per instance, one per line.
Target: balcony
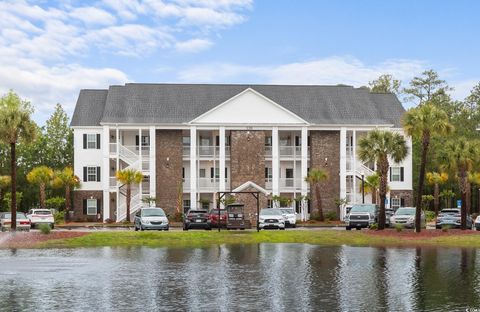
(288, 151)
(290, 183)
(206, 151)
(134, 149)
(206, 184)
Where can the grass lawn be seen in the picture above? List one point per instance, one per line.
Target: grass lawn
(326, 238)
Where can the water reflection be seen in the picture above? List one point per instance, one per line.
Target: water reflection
(275, 277)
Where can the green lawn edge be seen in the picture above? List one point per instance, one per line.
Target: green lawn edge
(204, 238)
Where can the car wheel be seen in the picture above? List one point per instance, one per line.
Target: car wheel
(348, 228)
(208, 228)
(358, 229)
(141, 228)
(167, 229)
(282, 229)
(135, 227)
(32, 226)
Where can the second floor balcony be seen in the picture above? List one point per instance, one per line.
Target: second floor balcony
(206, 151)
(288, 151)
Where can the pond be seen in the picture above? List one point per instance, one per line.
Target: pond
(274, 277)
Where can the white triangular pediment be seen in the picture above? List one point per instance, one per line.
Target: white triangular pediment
(248, 107)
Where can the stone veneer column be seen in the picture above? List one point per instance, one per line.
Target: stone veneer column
(152, 167)
(193, 167)
(247, 163)
(169, 165)
(275, 162)
(343, 166)
(324, 154)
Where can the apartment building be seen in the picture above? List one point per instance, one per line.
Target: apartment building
(192, 141)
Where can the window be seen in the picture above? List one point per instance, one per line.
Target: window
(183, 173)
(186, 205)
(298, 206)
(91, 174)
(145, 140)
(268, 174)
(186, 141)
(91, 207)
(269, 203)
(91, 141)
(202, 173)
(396, 202)
(396, 174)
(217, 173)
(268, 141)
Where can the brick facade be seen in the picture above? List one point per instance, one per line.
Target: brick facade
(247, 163)
(78, 197)
(325, 154)
(405, 195)
(169, 164)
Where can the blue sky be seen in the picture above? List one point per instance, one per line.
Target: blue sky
(49, 50)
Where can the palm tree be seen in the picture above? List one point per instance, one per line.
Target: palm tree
(40, 176)
(316, 177)
(459, 155)
(422, 123)
(447, 196)
(129, 177)
(67, 179)
(372, 185)
(4, 183)
(15, 125)
(378, 146)
(436, 179)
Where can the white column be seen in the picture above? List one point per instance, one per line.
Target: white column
(140, 160)
(117, 203)
(354, 165)
(152, 162)
(222, 160)
(275, 163)
(304, 171)
(106, 171)
(343, 167)
(193, 167)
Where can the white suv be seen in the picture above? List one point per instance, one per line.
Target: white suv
(41, 216)
(290, 216)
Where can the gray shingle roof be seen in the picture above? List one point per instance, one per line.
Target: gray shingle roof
(179, 103)
(89, 108)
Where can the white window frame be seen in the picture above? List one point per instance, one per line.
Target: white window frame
(396, 202)
(269, 176)
(91, 141)
(396, 174)
(91, 204)
(202, 173)
(91, 173)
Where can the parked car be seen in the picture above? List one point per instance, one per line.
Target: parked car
(290, 216)
(406, 216)
(271, 218)
(23, 224)
(477, 223)
(197, 219)
(151, 218)
(452, 217)
(213, 216)
(41, 216)
(361, 216)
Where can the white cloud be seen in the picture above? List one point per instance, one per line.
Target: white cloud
(193, 45)
(462, 89)
(93, 16)
(331, 70)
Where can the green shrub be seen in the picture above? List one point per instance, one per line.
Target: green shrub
(57, 203)
(44, 228)
(59, 217)
(314, 216)
(109, 221)
(399, 227)
(373, 226)
(331, 215)
(446, 227)
(429, 216)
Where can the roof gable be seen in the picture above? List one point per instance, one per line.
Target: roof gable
(248, 107)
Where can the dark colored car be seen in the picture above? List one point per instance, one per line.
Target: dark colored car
(213, 215)
(197, 219)
(452, 217)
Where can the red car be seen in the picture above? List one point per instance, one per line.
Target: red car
(213, 216)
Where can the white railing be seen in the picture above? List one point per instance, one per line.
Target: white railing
(268, 184)
(135, 204)
(206, 151)
(186, 151)
(205, 184)
(268, 151)
(113, 148)
(290, 183)
(127, 155)
(186, 185)
(113, 182)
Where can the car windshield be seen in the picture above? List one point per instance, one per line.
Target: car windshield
(42, 212)
(405, 212)
(450, 211)
(287, 210)
(363, 208)
(19, 216)
(215, 211)
(154, 212)
(270, 212)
